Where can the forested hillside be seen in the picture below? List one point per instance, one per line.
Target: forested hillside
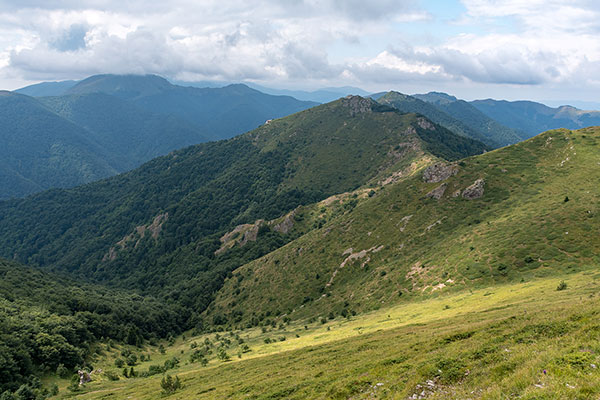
(41, 150)
(131, 135)
(169, 214)
(53, 324)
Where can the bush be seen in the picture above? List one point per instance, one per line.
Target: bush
(131, 359)
(170, 385)
(222, 355)
(111, 376)
(119, 363)
(62, 371)
(561, 286)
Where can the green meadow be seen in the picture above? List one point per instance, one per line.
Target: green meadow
(527, 340)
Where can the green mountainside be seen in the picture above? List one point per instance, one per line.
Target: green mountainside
(170, 213)
(108, 124)
(471, 279)
(518, 212)
(130, 134)
(41, 150)
(532, 118)
(223, 112)
(491, 129)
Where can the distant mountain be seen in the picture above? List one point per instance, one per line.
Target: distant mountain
(491, 129)
(130, 134)
(533, 118)
(47, 88)
(41, 150)
(324, 95)
(157, 228)
(436, 97)
(412, 104)
(220, 112)
(108, 124)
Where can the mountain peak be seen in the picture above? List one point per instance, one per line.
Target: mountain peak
(124, 86)
(436, 97)
(358, 104)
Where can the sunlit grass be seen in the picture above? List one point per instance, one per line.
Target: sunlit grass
(491, 343)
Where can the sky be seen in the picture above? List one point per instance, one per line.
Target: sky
(511, 49)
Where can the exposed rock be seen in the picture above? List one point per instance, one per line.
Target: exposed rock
(286, 225)
(240, 235)
(357, 104)
(404, 222)
(474, 191)
(251, 234)
(84, 377)
(154, 228)
(425, 124)
(354, 256)
(439, 172)
(438, 192)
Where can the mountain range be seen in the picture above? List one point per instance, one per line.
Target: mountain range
(412, 246)
(109, 124)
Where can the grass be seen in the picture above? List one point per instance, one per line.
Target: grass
(493, 298)
(520, 229)
(490, 343)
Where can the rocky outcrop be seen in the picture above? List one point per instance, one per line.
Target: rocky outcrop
(438, 192)
(357, 104)
(352, 256)
(286, 225)
(154, 229)
(425, 124)
(240, 235)
(474, 191)
(439, 172)
(84, 377)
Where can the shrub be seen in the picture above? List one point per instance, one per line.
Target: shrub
(222, 355)
(111, 376)
(561, 286)
(62, 371)
(131, 359)
(170, 385)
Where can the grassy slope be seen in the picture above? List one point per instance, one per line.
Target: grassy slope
(521, 227)
(487, 343)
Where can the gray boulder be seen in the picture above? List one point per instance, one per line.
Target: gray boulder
(474, 191)
(439, 172)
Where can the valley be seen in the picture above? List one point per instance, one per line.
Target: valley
(350, 250)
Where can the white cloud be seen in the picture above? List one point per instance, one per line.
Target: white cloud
(289, 42)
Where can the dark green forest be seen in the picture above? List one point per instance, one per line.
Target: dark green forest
(47, 321)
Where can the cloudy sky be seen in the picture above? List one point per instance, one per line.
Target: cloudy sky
(536, 49)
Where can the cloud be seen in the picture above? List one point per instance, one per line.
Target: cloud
(304, 42)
